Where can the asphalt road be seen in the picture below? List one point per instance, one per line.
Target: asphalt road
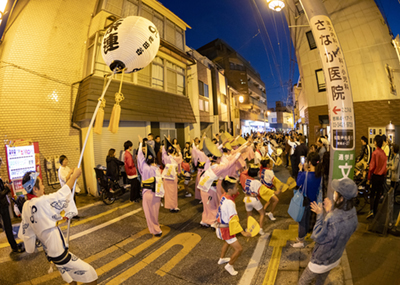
(114, 239)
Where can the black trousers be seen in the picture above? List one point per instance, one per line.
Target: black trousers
(5, 215)
(135, 189)
(376, 191)
(295, 167)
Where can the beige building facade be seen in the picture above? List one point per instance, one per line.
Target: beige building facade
(52, 75)
(368, 51)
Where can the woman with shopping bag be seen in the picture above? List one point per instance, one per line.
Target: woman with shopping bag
(309, 181)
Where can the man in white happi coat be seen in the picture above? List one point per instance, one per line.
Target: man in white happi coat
(39, 217)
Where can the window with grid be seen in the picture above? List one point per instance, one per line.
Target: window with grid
(144, 77)
(179, 37)
(311, 41)
(206, 91)
(130, 8)
(166, 28)
(114, 6)
(201, 88)
(170, 37)
(157, 73)
(201, 104)
(158, 20)
(175, 79)
(319, 74)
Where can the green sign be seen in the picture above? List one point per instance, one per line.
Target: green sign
(343, 164)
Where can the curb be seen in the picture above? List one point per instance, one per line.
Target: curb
(348, 278)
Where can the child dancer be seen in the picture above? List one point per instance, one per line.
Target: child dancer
(39, 217)
(269, 180)
(251, 188)
(228, 224)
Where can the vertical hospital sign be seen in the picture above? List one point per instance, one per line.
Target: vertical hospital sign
(340, 100)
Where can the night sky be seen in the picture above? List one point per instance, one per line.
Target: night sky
(234, 21)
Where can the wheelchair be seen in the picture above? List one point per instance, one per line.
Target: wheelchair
(109, 189)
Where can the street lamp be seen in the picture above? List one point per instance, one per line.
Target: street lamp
(268, 113)
(321, 26)
(276, 5)
(241, 99)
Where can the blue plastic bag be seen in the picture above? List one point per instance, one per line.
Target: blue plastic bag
(296, 208)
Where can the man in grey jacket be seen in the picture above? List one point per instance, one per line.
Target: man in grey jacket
(333, 229)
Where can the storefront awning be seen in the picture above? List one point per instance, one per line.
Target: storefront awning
(140, 104)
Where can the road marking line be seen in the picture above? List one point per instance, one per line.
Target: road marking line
(252, 267)
(107, 267)
(77, 223)
(273, 266)
(278, 240)
(105, 252)
(187, 240)
(104, 224)
(90, 205)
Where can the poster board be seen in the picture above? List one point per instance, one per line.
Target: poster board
(21, 156)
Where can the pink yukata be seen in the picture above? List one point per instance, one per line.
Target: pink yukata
(210, 205)
(233, 170)
(171, 186)
(199, 156)
(151, 203)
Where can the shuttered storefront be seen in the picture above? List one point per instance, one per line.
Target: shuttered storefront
(127, 131)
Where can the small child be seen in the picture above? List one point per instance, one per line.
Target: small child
(186, 173)
(39, 217)
(228, 224)
(251, 188)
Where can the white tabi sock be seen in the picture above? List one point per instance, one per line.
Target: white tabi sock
(224, 260)
(230, 269)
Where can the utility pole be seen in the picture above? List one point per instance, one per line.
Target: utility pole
(338, 90)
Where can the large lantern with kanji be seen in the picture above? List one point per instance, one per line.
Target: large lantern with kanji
(130, 43)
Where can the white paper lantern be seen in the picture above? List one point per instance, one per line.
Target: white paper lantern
(130, 43)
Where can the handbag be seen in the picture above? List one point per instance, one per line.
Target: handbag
(296, 208)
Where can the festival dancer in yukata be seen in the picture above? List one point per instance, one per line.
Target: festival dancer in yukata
(228, 225)
(172, 161)
(208, 181)
(203, 163)
(186, 173)
(227, 155)
(251, 188)
(39, 217)
(151, 198)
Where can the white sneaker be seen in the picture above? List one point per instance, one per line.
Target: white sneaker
(188, 195)
(298, 244)
(261, 232)
(201, 202)
(230, 269)
(270, 216)
(223, 260)
(204, 224)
